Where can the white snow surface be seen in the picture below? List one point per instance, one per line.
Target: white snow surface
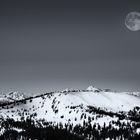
(91, 88)
(15, 96)
(12, 96)
(64, 101)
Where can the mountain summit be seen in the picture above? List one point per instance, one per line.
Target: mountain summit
(12, 97)
(93, 89)
(16, 96)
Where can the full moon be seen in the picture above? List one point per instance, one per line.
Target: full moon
(132, 21)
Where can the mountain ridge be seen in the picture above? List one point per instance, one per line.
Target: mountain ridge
(76, 107)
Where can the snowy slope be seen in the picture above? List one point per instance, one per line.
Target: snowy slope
(93, 89)
(104, 109)
(11, 97)
(69, 106)
(16, 96)
(4, 100)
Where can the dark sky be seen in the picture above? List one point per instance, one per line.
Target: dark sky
(53, 45)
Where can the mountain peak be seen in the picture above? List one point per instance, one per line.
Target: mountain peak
(16, 95)
(65, 90)
(92, 88)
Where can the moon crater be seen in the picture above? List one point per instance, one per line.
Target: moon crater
(132, 21)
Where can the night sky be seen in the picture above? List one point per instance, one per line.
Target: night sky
(53, 45)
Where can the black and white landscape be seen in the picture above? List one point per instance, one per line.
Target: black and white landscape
(90, 114)
(51, 51)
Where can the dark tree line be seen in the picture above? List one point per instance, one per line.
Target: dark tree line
(34, 130)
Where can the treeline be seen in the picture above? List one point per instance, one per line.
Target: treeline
(93, 110)
(48, 133)
(134, 114)
(29, 129)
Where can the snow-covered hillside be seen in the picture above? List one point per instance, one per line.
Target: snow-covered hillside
(53, 106)
(75, 107)
(11, 97)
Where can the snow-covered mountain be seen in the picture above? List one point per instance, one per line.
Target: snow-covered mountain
(16, 96)
(93, 89)
(11, 97)
(76, 107)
